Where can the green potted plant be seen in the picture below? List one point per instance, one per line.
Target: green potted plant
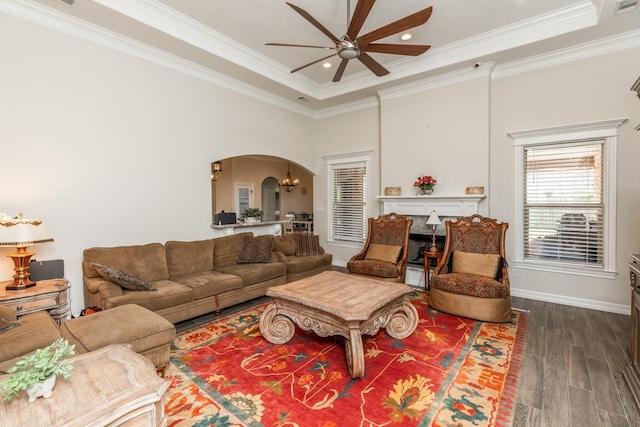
(252, 214)
(36, 372)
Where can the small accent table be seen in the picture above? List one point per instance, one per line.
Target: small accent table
(428, 256)
(50, 295)
(112, 386)
(334, 303)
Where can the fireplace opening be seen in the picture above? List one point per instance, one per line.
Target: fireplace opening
(420, 242)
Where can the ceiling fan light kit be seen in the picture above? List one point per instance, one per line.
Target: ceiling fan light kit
(352, 46)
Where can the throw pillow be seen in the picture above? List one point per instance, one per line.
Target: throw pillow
(121, 278)
(307, 244)
(387, 253)
(469, 262)
(6, 324)
(256, 250)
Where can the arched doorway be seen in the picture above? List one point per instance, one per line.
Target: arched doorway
(270, 199)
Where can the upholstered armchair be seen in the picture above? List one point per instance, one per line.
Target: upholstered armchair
(472, 279)
(384, 255)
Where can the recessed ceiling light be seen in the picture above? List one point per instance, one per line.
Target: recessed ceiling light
(327, 65)
(405, 36)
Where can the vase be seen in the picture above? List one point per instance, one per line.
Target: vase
(43, 389)
(425, 192)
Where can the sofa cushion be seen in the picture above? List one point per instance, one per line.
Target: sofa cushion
(256, 249)
(36, 330)
(167, 294)
(189, 257)
(209, 283)
(226, 249)
(307, 244)
(255, 273)
(285, 244)
(300, 264)
(144, 329)
(121, 278)
(388, 253)
(146, 262)
(475, 263)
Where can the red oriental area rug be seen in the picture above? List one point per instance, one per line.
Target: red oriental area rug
(451, 371)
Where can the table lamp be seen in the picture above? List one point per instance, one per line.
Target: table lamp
(20, 233)
(433, 221)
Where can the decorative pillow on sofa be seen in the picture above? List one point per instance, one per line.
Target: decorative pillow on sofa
(469, 262)
(121, 278)
(256, 250)
(307, 244)
(387, 253)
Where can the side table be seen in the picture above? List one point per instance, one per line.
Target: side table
(428, 256)
(50, 295)
(112, 386)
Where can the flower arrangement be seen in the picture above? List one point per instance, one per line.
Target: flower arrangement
(425, 183)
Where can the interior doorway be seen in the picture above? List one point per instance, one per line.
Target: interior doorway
(270, 199)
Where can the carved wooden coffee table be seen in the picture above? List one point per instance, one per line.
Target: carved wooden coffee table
(334, 303)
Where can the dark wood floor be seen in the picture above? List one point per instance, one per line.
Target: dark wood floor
(571, 370)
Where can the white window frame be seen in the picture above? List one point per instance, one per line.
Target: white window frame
(346, 161)
(604, 130)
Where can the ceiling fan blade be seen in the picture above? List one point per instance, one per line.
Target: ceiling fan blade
(311, 63)
(314, 22)
(373, 65)
(395, 27)
(398, 49)
(359, 16)
(298, 45)
(340, 70)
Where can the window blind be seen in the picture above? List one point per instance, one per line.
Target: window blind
(564, 202)
(349, 189)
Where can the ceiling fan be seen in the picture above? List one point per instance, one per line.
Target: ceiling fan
(352, 46)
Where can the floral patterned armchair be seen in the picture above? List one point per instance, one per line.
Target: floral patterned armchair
(472, 279)
(384, 255)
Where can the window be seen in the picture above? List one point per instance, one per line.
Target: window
(347, 192)
(243, 197)
(566, 198)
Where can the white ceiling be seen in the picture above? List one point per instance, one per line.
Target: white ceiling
(227, 37)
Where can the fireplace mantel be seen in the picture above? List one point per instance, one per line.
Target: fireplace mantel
(463, 205)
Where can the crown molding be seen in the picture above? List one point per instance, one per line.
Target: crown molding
(575, 16)
(59, 21)
(161, 17)
(599, 47)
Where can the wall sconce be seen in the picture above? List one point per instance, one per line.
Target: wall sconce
(216, 168)
(20, 233)
(433, 221)
(288, 184)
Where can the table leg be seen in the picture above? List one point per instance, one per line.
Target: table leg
(276, 328)
(355, 354)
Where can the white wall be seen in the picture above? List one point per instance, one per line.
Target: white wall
(109, 149)
(576, 92)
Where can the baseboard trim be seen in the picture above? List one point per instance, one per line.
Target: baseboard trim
(573, 301)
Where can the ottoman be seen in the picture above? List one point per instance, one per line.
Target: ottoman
(146, 332)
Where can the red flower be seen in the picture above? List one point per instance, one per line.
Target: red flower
(425, 181)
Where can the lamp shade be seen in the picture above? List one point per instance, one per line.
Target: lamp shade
(22, 232)
(433, 219)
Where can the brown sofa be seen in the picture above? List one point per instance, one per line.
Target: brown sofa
(195, 277)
